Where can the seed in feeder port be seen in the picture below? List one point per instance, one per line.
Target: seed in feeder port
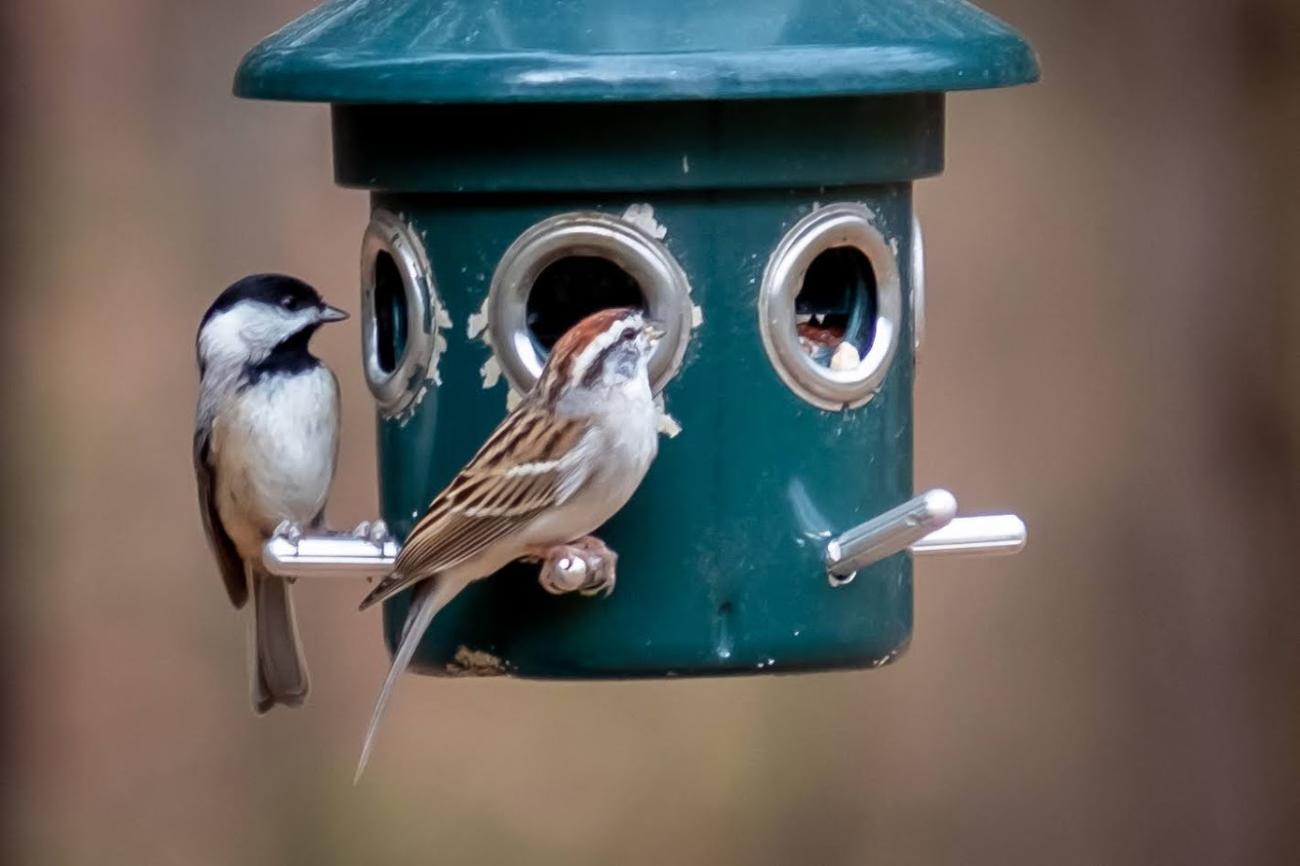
(818, 341)
(815, 332)
(846, 357)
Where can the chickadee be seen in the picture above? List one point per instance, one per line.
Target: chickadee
(266, 436)
(563, 462)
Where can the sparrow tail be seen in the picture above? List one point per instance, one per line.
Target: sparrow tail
(280, 671)
(429, 597)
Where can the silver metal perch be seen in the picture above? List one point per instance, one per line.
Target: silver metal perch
(926, 526)
(369, 551)
(982, 535)
(335, 554)
(889, 533)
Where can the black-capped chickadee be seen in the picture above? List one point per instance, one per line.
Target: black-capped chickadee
(266, 436)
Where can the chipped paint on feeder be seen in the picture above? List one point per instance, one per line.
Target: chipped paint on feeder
(667, 424)
(642, 216)
(402, 316)
(475, 663)
(477, 326)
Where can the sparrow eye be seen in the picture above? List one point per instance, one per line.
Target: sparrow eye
(629, 334)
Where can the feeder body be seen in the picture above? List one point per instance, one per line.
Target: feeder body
(727, 142)
(720, 551)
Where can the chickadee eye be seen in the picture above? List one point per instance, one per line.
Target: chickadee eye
(629, 334)
(288, 302)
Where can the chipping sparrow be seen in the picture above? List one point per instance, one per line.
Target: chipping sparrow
(561, 464)
(266, 435)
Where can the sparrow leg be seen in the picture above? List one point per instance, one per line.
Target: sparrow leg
(585, 566)
(602, 565)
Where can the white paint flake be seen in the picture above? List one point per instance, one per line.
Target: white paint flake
(478, 322)
(491, 372)
(667, 423)
(432, 378)
(643, 217)
(477, 327)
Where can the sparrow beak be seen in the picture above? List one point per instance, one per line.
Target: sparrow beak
(654, 331)
(331, 314)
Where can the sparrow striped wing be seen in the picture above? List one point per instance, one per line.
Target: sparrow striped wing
(531, 463)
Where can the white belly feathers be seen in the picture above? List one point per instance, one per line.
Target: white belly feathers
(274, 448)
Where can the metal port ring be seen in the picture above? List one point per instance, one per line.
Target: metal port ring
(828, 227)
(662, 281)
(394, 390)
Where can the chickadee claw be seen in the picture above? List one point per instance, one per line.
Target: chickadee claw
(374, 531)
(289, 531)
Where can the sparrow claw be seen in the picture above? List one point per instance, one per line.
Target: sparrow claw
(563, 574)
(585, 566)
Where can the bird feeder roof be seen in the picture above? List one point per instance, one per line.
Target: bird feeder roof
(489, 51)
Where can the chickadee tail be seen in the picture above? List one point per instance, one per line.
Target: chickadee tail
(279, 673)
(428, 597)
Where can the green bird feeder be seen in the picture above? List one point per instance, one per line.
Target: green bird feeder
(743, 171)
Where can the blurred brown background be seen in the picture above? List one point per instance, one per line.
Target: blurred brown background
(1114, 351)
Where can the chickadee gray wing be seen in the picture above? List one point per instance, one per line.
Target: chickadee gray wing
(223, 548)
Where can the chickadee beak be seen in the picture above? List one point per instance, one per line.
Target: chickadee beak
(331, 314)
(654, 331)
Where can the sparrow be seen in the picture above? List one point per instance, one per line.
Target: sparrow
(563, 462)
(266, 435)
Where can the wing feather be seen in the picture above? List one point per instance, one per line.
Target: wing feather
(530, 463)
(223, 548)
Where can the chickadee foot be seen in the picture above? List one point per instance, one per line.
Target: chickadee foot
(585, 566)
(289, 531)
(374, 531)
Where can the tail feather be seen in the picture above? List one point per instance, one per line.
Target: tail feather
(279, 669)
(429, 597)
(387, 587)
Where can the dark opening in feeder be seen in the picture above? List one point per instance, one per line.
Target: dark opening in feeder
(571, 288)
(390, 312)
(744, 172)
(836, 305)
(573, 263)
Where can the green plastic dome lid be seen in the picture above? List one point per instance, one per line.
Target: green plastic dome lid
(483, 51)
